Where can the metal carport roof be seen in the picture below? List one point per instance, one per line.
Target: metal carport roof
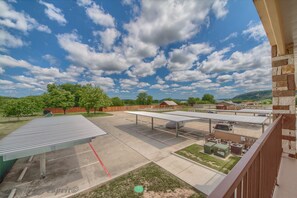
(163, 116)
(43, 135)
(221, 117)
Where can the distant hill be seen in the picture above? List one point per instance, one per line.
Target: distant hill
(255, 95)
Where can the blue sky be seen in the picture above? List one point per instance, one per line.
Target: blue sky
(172, 49)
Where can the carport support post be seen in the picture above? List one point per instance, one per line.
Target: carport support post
(176, 129)
(209, 125)
(263, 128)
(152, 123)
(43, 165)
(136, 119)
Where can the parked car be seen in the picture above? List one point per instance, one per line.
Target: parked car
(223, 127)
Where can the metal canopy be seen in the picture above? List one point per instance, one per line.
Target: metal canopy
(222, 117)
(255, 111)
(162, 116)
(43, 135)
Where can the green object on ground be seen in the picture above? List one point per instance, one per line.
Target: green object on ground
(221, 150)
(138, 189)
(194, 152)
(208, 147)
(5, 167)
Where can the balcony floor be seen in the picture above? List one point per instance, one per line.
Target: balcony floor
(287, 179)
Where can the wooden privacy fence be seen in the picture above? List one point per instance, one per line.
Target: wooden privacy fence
(255, 175)
(113, 108)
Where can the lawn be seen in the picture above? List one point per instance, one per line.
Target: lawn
(156, 182)
(8, 125)
(195, 153)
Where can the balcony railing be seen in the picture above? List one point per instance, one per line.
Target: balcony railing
(255, 175)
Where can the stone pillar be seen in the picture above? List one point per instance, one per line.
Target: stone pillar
(283, 93)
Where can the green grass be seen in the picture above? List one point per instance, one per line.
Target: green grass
(194, 153)
(8, 125)
(153, 178)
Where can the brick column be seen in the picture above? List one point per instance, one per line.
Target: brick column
(283, 93)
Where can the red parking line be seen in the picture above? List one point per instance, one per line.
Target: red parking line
(98, 158)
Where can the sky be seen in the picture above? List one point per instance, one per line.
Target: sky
(176, 49)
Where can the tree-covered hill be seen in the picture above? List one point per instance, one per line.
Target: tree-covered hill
(255, 95)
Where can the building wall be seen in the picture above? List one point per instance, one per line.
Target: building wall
(283, 92)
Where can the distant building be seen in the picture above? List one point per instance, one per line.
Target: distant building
(168, 103)
(228, 105)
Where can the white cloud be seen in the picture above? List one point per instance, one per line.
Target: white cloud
(7, 61)
(143, 84)
(104, 83)
(160, 80)
(186, 76)
(51, 59)
(141, 90)
(205, 84)
(107, 37)
(224, 78)
(164, 22)
(184, 57)
(19, 20)
(256, 57)
(159, 86)
(54, 13)
(84, 2)
(230, 36)
(219, 8)
(82, 54)
(128, 84)
(5, 82)
(255, 31)
(255, 79)
(97, 14)
(7, 40)
(40, 73)
(1, 70)
(147, 68)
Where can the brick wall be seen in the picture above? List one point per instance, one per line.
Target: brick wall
(283, 92)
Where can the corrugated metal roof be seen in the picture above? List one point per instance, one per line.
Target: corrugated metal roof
(163, 116)
(222, 117)
(48, 134)
(257, 111)
(169, 102)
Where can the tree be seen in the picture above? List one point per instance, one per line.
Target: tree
(141, 98)
(92, 98)
(149, 100)
(19, 107)
(208, 98)
(60, 98)
(116, 101)
(144, 99)
(74, 89)
(191, 101)
(129, 102)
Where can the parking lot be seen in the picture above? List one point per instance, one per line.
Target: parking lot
(126, 146)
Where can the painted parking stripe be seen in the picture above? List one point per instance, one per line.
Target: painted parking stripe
(98, 158)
